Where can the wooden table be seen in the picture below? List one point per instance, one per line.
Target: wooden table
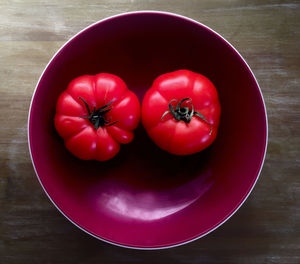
(265, 230)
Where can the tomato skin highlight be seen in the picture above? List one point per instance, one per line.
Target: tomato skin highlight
(177, 136)
(76, 116)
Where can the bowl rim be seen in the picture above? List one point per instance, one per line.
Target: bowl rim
(229, 215)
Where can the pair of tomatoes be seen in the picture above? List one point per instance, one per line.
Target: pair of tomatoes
(95, 114)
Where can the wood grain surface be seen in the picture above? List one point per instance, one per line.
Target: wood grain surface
(267, 227)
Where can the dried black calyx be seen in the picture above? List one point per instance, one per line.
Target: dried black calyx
(97, 116)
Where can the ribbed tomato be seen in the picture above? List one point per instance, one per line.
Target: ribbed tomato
(95, 114)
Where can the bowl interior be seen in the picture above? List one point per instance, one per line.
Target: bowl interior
(145, 197)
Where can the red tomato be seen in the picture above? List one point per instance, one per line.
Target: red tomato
(95, 114)
(181, 112)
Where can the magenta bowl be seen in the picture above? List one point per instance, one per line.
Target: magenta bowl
(145, 198)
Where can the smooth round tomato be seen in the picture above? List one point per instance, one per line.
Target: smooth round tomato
(181, 112)
(95, 114)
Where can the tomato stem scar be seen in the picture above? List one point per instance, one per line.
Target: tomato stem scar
(184, 113)
(96, 117)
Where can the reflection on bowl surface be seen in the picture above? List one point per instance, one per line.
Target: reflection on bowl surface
(145, 197)
(150, 204)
